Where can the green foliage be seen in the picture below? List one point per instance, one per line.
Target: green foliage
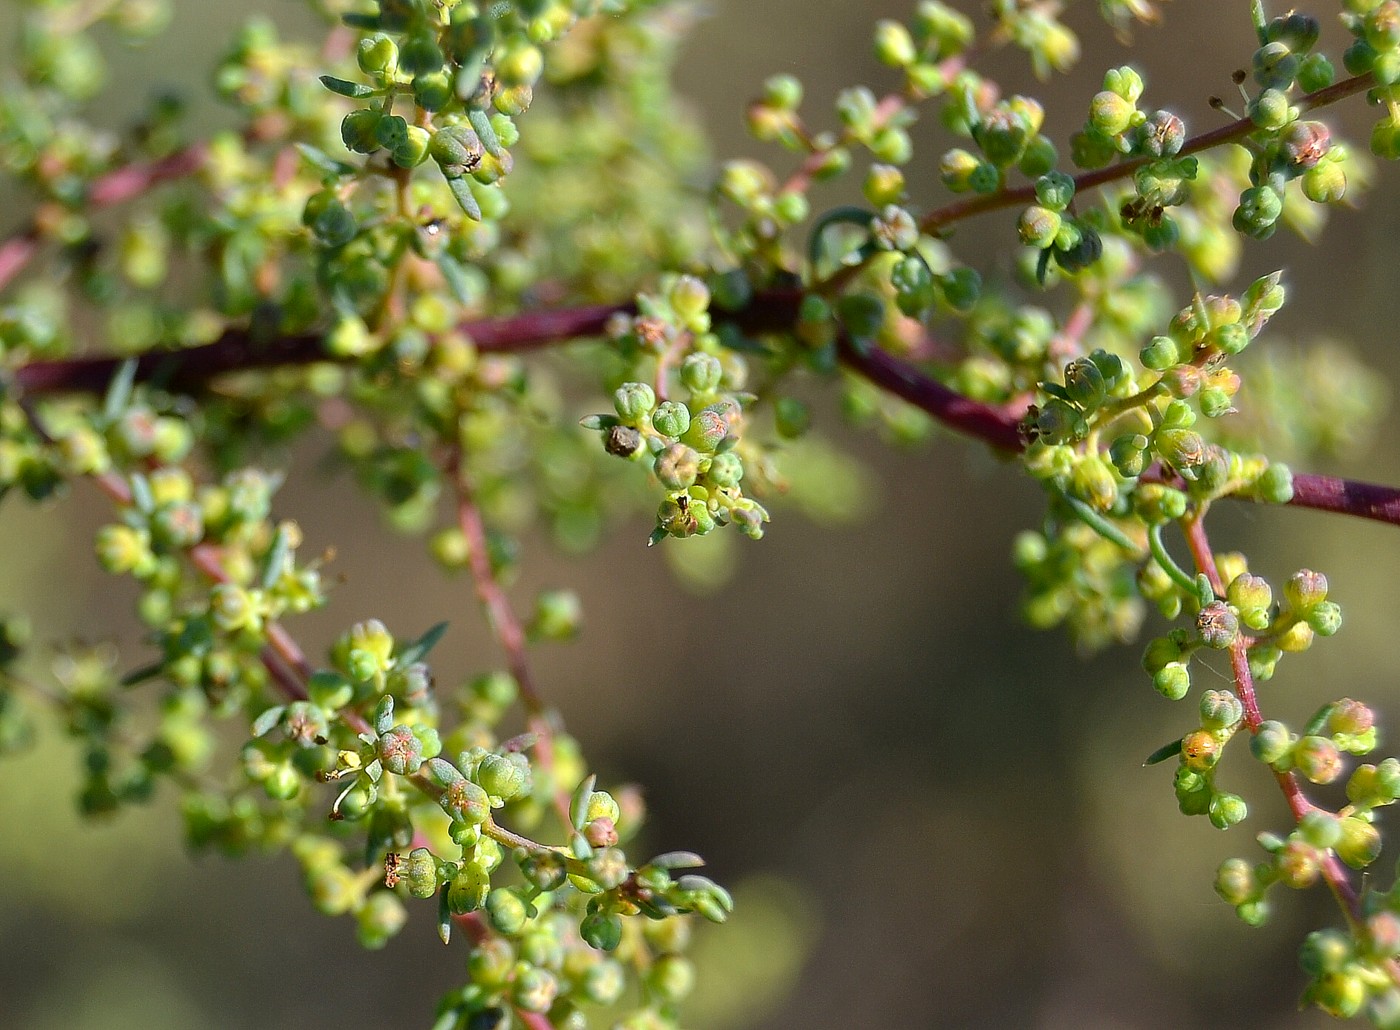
(403, 214)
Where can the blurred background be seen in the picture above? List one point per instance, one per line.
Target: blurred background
(931, 816)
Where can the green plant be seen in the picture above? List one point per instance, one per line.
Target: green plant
(445, 187)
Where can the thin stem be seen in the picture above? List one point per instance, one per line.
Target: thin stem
(1099, 524)
(936, 221)
(1163, 557)
(509, 632)
(1332, 869)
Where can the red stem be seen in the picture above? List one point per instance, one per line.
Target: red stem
(1332, 869)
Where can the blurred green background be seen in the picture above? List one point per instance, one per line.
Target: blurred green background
(932, 816)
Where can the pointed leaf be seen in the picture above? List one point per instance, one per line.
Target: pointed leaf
(578, 804)
(119, 391)
(346, 88)
(1169, 750)
(465, 199)
(481, 122)
(264, 723)
(418, 650)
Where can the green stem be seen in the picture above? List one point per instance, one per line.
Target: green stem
(1098, 523)
(1177, 574)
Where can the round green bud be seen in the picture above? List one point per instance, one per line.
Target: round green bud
(432, 91)
(1129, 454)
(725, 471)
(1038, 226)
(1298, 864)
(1275, 66)
(1325, 618)
(1110, 113)
(506, 911)
(791, 417)
(1351, 717)
(1305, 589)
(1038, 158)
(1321, 829)
(420, 54)
(378, 56)
(677, 467)
(358, 131)
(783, 92)
(420, 873)
(546, 870)
(1325, 951)
(1172, 681)
(671, 418)
(707, 430)
(671, 978)
(468, 890)
(412, 150)
(1258, 212)
(1084, 382)
(1220, 709)
(1054, 190)
(957, 169)
(1160, 353)
(1270, 109)
(1093, 482)
(1200, 751)
(894, 45)
(1325, 183)
(701, 373)
(1235, 881)
(962, 287)
(1275, 484)
(491, 962)
(1360, 843)
(884, 185)
(465, 802)
(518, 63)
(634, 401)
(689, 297)
(1227, 810)
(1318, 759)
(1381, 25)
(534, 989)
(501, 777)
(602, 931)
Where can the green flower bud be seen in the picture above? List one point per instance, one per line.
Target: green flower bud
(1325, 951)
(400, 750)
(1172, 681)
(1160, 353)
(707, 430)
(1360, 843)
(677, 467)
(1093, 482)
(1305, 589)
(783, 92)
(1110, 113)
(1298, 864)
(884, 185)
(1270, 109)
(468, 890)
(1227, 810)
(1258, 212)
(634, 401)
(457, 149)
(123, 549)
(1275, 484)
(1315, 72)
(1325, 618)
(671, 418)
(1038, 226)
(545, 870)
(671, 978)
(1161, 135)
(1325, 183)
(1275, 66)
(1200, 751)
(534, 989)
(432, 91)
(519, 64)
(1235, 881)
(1351, 717)
(421, 54)
(1084, 382)
(506, 911)
(791, 417)
(378, 56)
(958, 168)
(412, 150)
(1318, 759)
(420, 873)
(465, 802)
(1320, 829)
(1038, 158)
(701, 373)
(1220, 709)
(725, 471)
(602, 931)
(1183, 449)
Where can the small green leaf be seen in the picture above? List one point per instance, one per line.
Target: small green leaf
(457, 279)
(418, 649)
(599, 421)
(384, 715)
(323, 162)
(444, 925)
(144, 673)
(276, 558)
(817, 242)
(578, 804)
(1168, 750)
(119, 391)
(264, 723)
(1318, 722)
(346, 88)
(680, 859)
(481, 122)
(462, 191)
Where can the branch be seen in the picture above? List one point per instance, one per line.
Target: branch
(935, 221)
(775, 310)
(116, 186)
